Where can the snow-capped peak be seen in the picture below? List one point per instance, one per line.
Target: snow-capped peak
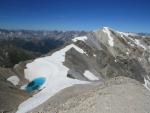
(111, 40)
(108, 28)
(122, 33)
(105, 27)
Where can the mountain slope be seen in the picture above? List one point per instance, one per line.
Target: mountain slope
(117, 95)
(91, 59)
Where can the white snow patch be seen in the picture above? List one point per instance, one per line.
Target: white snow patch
(127, 34)
(123, 34)
(82, 38)
(131, 44)
(135, 41)
(94, 55)
(132, 34)
(139, 44)
(52, 68)
(23, 87)
(147, 83)
(14, 80)
(90, 75)
(111, 40)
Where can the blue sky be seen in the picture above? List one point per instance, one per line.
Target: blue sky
(124, 15)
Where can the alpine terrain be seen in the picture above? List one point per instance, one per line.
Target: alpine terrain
(104, 71)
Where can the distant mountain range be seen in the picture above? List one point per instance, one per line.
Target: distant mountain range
(4, 34)
(144, 34)
(20, 45)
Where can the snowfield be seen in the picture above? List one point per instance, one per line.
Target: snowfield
(139, 44)
(82, 38)
(90, 75)
(14, 80)
(52, 68)
(127, 34)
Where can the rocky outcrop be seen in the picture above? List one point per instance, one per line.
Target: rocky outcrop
(117, 95)
(10, 96)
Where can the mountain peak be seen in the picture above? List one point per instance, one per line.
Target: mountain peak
(108, 28)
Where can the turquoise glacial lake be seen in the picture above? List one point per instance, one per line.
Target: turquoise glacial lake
(35, 84)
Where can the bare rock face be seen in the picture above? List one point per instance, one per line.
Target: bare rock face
(10, 96)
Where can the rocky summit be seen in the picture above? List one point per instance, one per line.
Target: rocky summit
(105, 71)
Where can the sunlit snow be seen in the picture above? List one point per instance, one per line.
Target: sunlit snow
(52, 68)
(139, 44)
(82, 38)
(14, 80)
(90, 75)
